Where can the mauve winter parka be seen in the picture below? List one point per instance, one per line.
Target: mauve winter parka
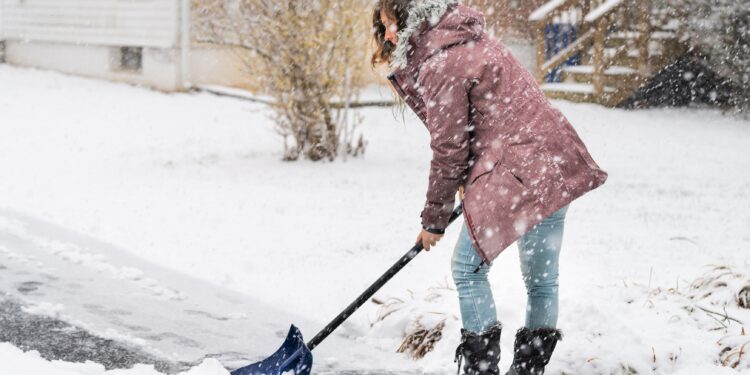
(492, 129)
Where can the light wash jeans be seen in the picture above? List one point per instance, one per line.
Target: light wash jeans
(539, 251)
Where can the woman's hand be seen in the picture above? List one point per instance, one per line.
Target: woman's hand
(428, 239)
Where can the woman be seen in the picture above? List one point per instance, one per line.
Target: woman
(515, 159)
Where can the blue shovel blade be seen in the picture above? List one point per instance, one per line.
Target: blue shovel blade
(292, 358)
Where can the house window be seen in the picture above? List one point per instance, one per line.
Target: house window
(129, 59)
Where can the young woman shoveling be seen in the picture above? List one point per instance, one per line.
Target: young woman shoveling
(517, 161)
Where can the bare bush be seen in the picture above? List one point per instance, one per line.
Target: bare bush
(421, 315)
(305, 54)
(421, 340)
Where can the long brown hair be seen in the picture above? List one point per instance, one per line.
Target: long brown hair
(396, 9)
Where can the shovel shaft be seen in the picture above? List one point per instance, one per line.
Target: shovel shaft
(373, 288)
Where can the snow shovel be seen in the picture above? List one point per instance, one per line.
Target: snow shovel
(294, 357)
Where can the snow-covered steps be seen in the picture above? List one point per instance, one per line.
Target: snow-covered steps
(614, 76)
(609, 34)
(540, 13)
(659, 34)
(601, 10)
(589, 69)
(574, 92)
(574, 88)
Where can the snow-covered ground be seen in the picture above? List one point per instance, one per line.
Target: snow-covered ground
(169, 222)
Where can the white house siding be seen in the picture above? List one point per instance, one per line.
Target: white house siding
(2, 35)
(84, 36)
(148, 23)
(524, 52)
(215, 65)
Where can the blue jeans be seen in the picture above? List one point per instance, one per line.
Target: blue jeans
(539, 251)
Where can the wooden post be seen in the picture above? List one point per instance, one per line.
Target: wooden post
(585, 9)
(541, 49)
(644, 28)
(598, 77)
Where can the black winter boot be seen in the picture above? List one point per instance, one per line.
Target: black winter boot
(533, 349)
(481, 351)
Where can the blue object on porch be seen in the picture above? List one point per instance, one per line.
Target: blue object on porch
(558, 36)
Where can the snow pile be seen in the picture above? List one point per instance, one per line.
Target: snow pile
(14, 361)
(721, 302)
(698, 328)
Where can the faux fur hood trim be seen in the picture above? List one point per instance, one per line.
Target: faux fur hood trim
(419, 11)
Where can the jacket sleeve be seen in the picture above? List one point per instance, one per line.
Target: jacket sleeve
(447, 110)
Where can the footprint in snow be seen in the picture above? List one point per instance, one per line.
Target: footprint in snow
(27, 287)
(180, 340)
(206, 314)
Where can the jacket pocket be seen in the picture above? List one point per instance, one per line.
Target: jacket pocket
(515, 177)
(481, 168)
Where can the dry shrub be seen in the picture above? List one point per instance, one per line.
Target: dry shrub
(306, 55)
(721, 286)
(386, 308)
(743, 297)
(422, 316)
(420, 340)
(729, 290)
(734, 352)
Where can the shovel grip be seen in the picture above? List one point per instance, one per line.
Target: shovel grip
(373, 288)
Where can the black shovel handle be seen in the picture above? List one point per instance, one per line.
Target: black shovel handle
(373, 288)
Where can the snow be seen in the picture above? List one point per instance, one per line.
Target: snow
(663, 35)
(542, 12)
(601, 10)
(14, 361)
(582, 88)
(168, 221)
(660, 34)
(589, 69)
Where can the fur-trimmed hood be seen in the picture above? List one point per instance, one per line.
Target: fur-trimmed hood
(429, 29)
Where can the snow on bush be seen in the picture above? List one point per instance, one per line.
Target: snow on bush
(418, 317)
(726, 292)
(717, 301)
(734, 352)
(722, 287)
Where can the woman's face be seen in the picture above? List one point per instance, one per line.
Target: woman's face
(391, 27)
